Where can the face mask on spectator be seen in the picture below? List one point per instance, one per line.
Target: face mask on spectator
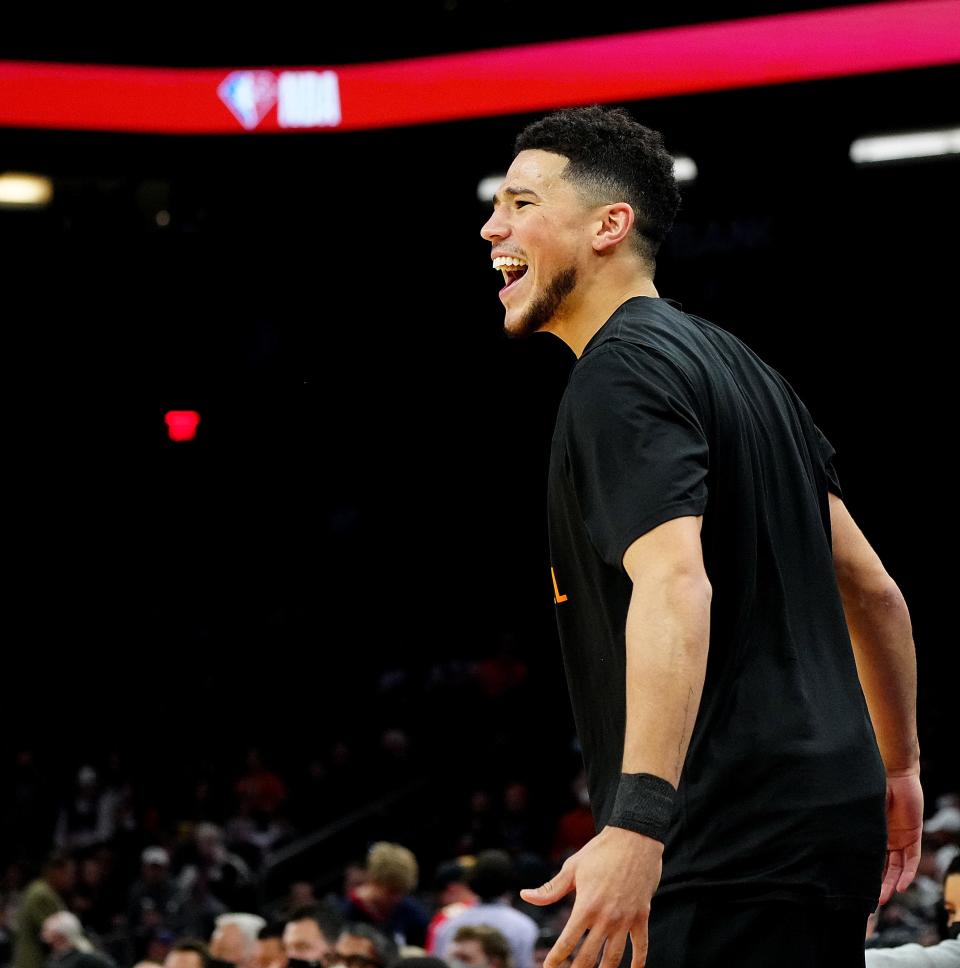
(303, 963)
(953, 932)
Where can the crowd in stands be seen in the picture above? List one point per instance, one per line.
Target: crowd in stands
(104, 877)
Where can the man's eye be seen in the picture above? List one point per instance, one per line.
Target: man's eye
(521, 201)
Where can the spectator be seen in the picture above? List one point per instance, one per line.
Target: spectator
(363, 946)
(519, 829)
(11, 894)
(951, 899)
(542, 946)
(310, 936)
(270, 951)
(575, 828)
(151, 902)
(225, 874)
(943, 830)
(158, 945)
(547, 938)
(300, 894)
(479, 946)
(87, 817)
(493, 880)
(187, 953)
(42, 898)
(453, 894)
(480, 830)
(383, 900)
(260, 790)
(92, 898)
(946, 954)
(235, 939)
(69, 948)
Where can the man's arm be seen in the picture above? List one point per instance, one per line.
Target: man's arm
(667, 631)
(879, 624)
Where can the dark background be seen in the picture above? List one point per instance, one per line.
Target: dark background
(367, 488)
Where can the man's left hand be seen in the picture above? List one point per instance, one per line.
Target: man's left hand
(615, 875)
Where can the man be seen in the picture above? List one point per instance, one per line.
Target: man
(152, 899)
(69, 946)
(453, 895)
(225, 874)
(234, 939)
(362, 946)
(187, 954)
(43, 897)
(689, 506)
(309, 937)
(493, 879)
(479, 946)
(270, 952)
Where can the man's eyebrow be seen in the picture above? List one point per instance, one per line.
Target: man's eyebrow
(517, 190)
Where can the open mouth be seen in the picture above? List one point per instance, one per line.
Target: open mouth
(513, 267)
(513, 276)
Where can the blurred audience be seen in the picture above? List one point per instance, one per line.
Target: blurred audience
(270, 950)
(363, 946)
(221, 874)
(152, 900)
(154, 861)
(493, 880)
(452, 894)
(89, 815)
(43, 897)
(575, 828)
(188, 953)
(234, 939)
(310, 936)
(63, 934)
(479, 946)
(942, 954)
(384, 901)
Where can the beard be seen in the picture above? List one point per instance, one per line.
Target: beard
(545, 306)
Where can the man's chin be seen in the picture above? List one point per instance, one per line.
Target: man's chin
(518, 324)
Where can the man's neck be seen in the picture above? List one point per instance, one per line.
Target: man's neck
(595, 303)
(594, 307)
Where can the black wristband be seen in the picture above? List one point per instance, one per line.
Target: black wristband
(643, 804)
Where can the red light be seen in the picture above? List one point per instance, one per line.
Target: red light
(181, 424)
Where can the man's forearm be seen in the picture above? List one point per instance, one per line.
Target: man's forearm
(668, 631)
(882, 637)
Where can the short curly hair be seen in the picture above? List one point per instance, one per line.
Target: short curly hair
(613, 158)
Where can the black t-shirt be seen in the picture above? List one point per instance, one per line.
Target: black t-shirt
(782, 791)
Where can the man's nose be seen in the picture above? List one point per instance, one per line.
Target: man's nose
(493, 228)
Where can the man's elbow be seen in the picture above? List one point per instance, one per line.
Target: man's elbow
(683, 592)
(880, 596)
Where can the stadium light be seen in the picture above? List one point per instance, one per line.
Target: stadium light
(20, 189)
(899, 147)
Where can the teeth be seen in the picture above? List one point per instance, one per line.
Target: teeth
(502, 260)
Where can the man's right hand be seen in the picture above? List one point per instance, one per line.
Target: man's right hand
(904, 828)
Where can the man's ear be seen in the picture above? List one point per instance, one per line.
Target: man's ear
(615, 223)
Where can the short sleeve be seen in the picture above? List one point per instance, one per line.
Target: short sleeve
(826, 455)
(637, 452)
